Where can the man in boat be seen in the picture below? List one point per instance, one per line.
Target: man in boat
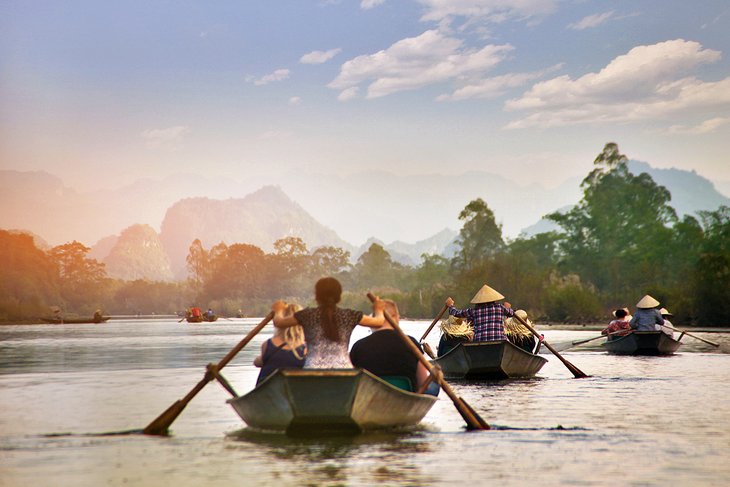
(97, 316)
(487, 316)
(647, 316)
(667, 324)
(621, 322)
(384, 354)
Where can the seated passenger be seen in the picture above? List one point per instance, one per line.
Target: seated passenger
(286, 349)
(384, 354)
(613, 330)
(667, 324)
(647, 315)
(453, 332)
(487, 316)
(518, 334)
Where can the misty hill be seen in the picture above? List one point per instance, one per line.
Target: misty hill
(259, 219)
(410, 254)
(136, 254)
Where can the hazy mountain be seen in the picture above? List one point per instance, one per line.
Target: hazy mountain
(138, 254)
(259, 219)
(410, 254)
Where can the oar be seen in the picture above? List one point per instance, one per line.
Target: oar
(426, 346)
(577, 373)
(714, 344)
(161, 424)
(579, 342)
(473, 420)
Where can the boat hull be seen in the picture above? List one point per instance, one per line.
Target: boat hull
(70, 321)
(329, 401)
(643, 343)
(494, 360)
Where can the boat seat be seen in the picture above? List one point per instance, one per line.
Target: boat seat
(399, 381)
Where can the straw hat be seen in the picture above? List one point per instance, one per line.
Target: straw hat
(625, 309)
(665, 312)
(457, 327)
(647, 302)
(515, 328)
(487, 295)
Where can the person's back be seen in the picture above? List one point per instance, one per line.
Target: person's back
(614, 329)
(383, 353)
(647, 316)
(280, 356)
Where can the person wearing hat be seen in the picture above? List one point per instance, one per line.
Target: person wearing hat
(487, 316)
(621, 322)
(453, 332)
(665, 327)
(647, 316)
(518, 334)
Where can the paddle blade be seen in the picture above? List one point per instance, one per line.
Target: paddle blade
(471, 425)
(427, 348)
(161, 424)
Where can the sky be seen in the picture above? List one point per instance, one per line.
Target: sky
(105, 93)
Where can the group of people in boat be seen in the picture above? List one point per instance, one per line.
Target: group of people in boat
(319, 337)
(648, 317)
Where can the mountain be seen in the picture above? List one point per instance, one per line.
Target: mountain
(410, 254)
(259, 219)
(138, 254)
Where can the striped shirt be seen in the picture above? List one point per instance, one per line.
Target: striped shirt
(486, 318)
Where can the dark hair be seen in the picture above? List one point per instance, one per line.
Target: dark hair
(328, 292)
(620, 313)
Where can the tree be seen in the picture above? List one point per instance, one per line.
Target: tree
(375, 267)
(82, 279)
(480, 237)
(198, 263)
(712, 271)
(329, 261)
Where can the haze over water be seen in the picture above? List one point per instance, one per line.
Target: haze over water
(648, 421)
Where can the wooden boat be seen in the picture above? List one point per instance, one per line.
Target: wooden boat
(69, 321)
(493, 360)
(643, 343)
(329, 401)
(201, 319)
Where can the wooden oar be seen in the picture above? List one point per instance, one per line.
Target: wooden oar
(435, 320)
(160, 425)
(577, 373)
(714, 344)
(579, 342)
(473, 420)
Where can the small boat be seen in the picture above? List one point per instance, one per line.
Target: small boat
(492, 360)
(201, 319)
(69, 321)
(643, 343)
(329, 401)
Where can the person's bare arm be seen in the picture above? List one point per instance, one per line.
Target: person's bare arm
(378, 318)
(281, 321)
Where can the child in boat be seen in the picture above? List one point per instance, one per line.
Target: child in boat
(621, 322)
(286, 349)
(518, 334)
(384, 354)
(327, 328)
(647, 316)
(487, 316)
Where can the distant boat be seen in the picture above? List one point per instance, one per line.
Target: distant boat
(69, 321)
(329, 401)
(201, 319)
(492, 360)
(643, 343)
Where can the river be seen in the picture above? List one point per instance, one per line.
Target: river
(634, 421)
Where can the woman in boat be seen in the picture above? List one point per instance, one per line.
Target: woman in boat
(621, 322)
(667, 324)
(487, 316)
(647, 316)
(327, 328)
(285, 350)
(453, 332)
(518, 334)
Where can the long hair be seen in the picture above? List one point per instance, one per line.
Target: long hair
(293, 336)
(328, 292)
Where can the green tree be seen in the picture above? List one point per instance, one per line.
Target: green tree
(83, 280)
(329, 261)
(375, 267)
(712, 271)
(480, 237)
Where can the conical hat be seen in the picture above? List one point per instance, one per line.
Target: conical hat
(486, 295)
(647, 302)
(665, 312)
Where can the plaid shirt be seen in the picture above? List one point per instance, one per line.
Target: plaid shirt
(486, 318)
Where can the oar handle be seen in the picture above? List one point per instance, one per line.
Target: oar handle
(710, 342)
(579, 342)
(577, 373)
(473, 421)
(435, 320)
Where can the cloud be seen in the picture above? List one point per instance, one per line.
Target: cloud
(647, 83)
(170, 138)
(705, 127)
(368, 4)
(489, 11)
(348, 93)
(319, 57)
(591, 21)
(295, 100)
(416, 62)
(278, 75)
(495, 86)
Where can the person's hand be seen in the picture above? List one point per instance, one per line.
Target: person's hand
(449, 301)
(507, 305)
(378, 305)
(278, 306)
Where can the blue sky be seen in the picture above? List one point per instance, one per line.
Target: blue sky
(105, 93)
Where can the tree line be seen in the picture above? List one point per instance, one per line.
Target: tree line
(621, 241)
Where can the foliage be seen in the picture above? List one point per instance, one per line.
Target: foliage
(480, 237)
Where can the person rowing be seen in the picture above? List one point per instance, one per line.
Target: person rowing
(487, 316)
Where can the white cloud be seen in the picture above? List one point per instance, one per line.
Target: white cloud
(368, 4)
(491, 11)
(278, 75)
(591, 21)
(170, 138)
(319, 57)
(705, 127)
(416, 62)
(495, 86)
(348, 93)
(295, 100)
(647, 83)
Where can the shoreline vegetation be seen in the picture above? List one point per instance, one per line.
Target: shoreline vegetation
(621, 241)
